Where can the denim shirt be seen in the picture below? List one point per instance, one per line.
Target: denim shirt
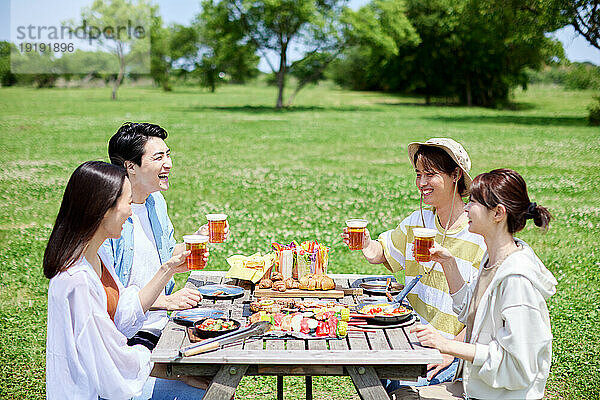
(121, 249)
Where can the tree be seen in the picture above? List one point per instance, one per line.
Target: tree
(7, 78)
(224, 46)
(88, 63)
(190, 51)
(160, 60)
(584, 15)
(211, 48)
(39, 69)
(274, 26)
(473, 51)
(324, 42)
(310, 69)
(176, 44)
(108, 17)
(374, 34)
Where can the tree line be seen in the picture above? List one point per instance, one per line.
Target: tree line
(470, 51)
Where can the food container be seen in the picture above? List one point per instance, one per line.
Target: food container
(206, 333)
(302, 263)
(286, 263)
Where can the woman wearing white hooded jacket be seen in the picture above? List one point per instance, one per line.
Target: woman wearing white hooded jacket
(508, 345)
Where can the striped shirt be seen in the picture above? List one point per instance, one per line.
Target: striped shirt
(430, 298)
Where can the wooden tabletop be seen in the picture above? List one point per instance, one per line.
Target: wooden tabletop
(366, 357)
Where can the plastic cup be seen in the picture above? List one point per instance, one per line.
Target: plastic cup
(286, 262)
(216, 227)
(424, 238)
(198, 245)
(356, 231)
(302, 262)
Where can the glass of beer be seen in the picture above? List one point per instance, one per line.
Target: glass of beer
(198, 245)
(216, 227)
(424, 238)
(356, 231)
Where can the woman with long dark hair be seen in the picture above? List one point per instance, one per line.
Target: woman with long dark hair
(508, 346)
(87, 356)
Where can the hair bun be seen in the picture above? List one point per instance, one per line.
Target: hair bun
(532, 211)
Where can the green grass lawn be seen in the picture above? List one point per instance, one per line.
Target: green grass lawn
(298, 174)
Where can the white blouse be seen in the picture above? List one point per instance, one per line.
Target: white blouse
(86, 355)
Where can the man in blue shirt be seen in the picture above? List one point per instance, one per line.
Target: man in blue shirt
(147, 239)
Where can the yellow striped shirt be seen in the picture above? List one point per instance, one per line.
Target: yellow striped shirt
(430, 297)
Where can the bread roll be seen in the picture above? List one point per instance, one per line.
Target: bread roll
(265, 283)
(276, 276)
(291, 283)
(279, 285)
(327, 283)
(318, 282)
(303, 284)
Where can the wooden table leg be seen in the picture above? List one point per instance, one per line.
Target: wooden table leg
(367, 383)
(225, 382)
(279, 387)
(308, 381)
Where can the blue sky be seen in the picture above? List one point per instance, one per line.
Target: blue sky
(52, 12)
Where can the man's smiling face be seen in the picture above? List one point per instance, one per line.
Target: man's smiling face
(153, 174)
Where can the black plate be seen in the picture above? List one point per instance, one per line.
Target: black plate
(381, 318)
(210, 334)
(188, 317)
(375, 285)
(388, 325)
(378, 288)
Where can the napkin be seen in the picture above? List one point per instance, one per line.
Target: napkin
(239, 271)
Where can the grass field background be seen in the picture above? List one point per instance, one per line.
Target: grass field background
(298, 174)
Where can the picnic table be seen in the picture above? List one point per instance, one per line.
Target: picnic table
(366, 357)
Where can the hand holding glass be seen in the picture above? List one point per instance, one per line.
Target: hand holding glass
(356, 233)
(424, 239)
(197, 244)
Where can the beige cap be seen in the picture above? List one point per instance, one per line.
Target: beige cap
(454, 150)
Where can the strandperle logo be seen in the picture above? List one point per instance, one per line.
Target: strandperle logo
(82, 32)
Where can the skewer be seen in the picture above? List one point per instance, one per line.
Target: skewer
(361, 330)
(361, 316)
(357, 322)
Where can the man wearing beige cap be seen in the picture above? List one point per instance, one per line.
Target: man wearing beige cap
(442, 177)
